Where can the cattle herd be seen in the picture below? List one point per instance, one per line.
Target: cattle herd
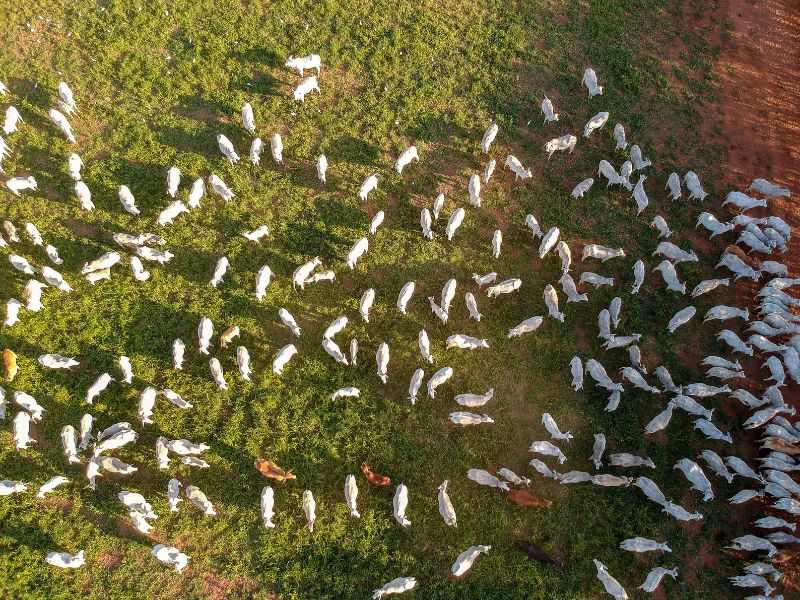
(771, 337)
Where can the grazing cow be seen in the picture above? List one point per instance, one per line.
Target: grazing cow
(743, 202)
(19, 184)
(405, 158)
(171, 556)
(590, 81)
(681, 318)
(400, 505)
(248, 118)
(692, 183)
(370, 183)
(465, 560)
(272, 471)
(611, 585)
(446, 506)
(583, 187)
(488, 137)
(284, 355)
(268, 506)
(404, 296)
(64, 560)
(595, 123)
(547, 110)
(536, 553)
(525, 498)
(66, 100)
(12, 119)
(305, 87)
(515, 165)
(127, 200)
(62, 123)
(395, 586)
(565, 142)
(226, 147)
(219, 187)
(301, 63)
(483, 477)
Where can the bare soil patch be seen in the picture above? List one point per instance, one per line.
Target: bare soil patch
(758, 117)
(220, 588)
(758, 124)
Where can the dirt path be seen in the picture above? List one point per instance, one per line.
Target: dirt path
(758, 78)
(758, 123)
(759, 88)
(758, 113)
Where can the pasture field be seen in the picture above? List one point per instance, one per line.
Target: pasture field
(155, 83)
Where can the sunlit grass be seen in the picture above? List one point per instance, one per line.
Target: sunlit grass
(155, 82)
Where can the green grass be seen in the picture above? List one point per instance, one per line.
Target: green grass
(155, 82)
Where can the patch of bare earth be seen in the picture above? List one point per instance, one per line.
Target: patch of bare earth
(759, 89)
(758, 123)
(221, 588)
(110, 559)
(758, 117)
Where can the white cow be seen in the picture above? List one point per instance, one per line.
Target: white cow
(488, 137)
(248, 118)
(308, 85)
(61, 121)
(301, 63)
(226, 147)
(595, 123)
(405, 158)
(547, 110)
(590, 81)
(565, 142)
(515, 165)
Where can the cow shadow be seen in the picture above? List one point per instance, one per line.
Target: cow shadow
(354, 150)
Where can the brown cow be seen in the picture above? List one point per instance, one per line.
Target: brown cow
(227, 336)
(748, 260)
(375, 478)
(269, 469)
(525, 498)
(11, 364)
(537, 553)
(779, 445)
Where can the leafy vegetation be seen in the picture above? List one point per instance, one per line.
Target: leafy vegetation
(155, 82)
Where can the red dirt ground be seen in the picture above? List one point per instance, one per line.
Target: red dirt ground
(758, 77)
(759, 89)
(758, 123)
